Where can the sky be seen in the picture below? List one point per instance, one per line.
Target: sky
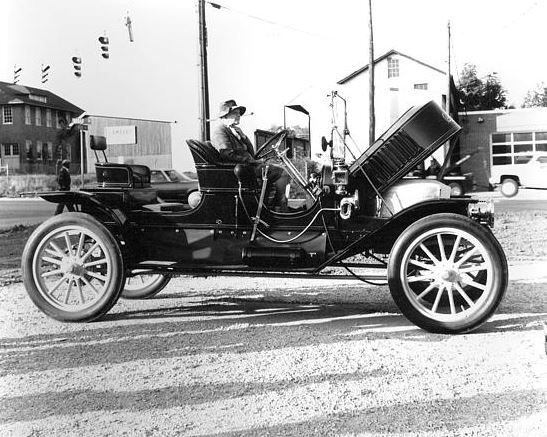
(263, 53)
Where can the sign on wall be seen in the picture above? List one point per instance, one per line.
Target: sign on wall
(120, 135)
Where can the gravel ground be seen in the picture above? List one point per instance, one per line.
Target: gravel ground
(245, 357)
(285, 358)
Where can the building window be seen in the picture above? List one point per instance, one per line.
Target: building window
(420, 86)
(10, 149)
(38, 150)
(38, 116)
(28, 149)
(392, 67)
(501, 160)
(49, 151)
(517, 148)
(7, 115)
(525, 136)
(28, 118)
(42, 99)
(48, 117)
(57, 119)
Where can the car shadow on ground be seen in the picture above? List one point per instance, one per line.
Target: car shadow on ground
(237, 324)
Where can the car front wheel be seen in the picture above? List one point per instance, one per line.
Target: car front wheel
(72, 268)
(447, 274)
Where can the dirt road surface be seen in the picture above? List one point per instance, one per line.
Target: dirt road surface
(233, 357)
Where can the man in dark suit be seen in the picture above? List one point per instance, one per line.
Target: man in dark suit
(63, 180)
(234, 146)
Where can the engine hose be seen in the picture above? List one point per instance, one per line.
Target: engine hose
(360, 278)
(274, 240)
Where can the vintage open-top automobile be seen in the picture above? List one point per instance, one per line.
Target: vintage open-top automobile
(446, 271)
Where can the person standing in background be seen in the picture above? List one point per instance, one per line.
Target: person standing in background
(64, 181)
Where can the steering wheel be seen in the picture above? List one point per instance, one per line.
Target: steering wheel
(271, 145)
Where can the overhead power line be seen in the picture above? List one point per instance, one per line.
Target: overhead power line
(519, 17)
(264, 20)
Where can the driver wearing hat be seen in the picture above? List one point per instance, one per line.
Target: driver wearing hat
(234, 146)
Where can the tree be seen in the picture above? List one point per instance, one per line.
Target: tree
(536, 97)
(480, 94)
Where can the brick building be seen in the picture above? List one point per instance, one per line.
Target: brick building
(33, 133)
(501, 137)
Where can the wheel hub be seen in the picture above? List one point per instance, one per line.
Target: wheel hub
(78, 270)
(450, 275)
(70, 266)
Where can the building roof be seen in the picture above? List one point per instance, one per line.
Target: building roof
(19, 94)
(114, 117)
(381, 58)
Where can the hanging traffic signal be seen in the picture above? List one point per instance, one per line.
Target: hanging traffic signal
(45, 73)
(16, 73)
(77, 63)
(103, 40)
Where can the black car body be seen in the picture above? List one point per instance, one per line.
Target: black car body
(445, 269)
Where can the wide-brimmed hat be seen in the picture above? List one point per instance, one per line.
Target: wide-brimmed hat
(229, 106)
(65, 163)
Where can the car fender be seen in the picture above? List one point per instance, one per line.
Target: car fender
(88, 203)
(382, 239)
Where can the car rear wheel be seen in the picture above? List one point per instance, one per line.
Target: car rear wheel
(447, 274)
(509, 187)
(72, 268)
(144, 286)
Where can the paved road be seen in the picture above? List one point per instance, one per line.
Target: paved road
(35, 211)
(524, 200)
(24, 211)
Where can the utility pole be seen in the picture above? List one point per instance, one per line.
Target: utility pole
(449, 89)
(204, 100)
(372, 117)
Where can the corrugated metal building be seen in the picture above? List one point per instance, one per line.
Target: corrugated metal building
(131, 140)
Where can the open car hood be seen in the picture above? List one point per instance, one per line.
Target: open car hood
(409, 141)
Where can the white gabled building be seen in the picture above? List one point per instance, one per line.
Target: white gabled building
(401, 82)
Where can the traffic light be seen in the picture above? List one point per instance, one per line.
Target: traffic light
(77, 63)
(45, 73)
(16, 73)
(103, 40)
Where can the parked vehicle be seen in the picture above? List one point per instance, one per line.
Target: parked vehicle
(173, 186)
(445, 269)
(527, 172)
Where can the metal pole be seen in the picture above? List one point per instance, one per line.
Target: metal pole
(372, 117)
(448, 93)
(205, 128)
(82, 158)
